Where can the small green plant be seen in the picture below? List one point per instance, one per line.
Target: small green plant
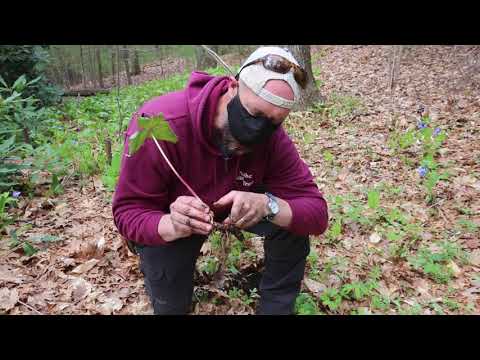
(312, 260)
(358, 290)
(335, 230)
(210, 266)
(27, 247)
(373, 199)
(331, 298)
(467, 225)
(234, 255)
(435, 264)
(380, 302)
(5, 217)
(309, 138)
(328, 157)
(452, 305)
(306, 305)
(110, 177)
(415, 309)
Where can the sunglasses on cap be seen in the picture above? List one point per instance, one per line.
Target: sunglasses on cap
(281, 65)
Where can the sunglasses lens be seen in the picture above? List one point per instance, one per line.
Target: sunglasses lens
(277, 64)
(301, 77)
(282, 66)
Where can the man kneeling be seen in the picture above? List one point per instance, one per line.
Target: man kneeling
(236, 156)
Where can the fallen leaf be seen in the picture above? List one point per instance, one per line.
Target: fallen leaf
(8, 298)
(472, 243)
(206, 248)
(454, 267)
(475, 257)
(110, 305)
(422, 286)
(314, 286)
(375, 238)
(85, 267)
(100, 246)
(10, 275)
(80, 289)
(468, 180)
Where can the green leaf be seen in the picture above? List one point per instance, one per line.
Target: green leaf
(45, 238)
(156, 126)
(20, 83)
(34, 81)
(12, 97)
(164, 132)
(3, 82)
(373, 199)
(28, 249)
(136, 140)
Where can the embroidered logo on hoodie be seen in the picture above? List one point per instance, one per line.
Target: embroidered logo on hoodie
(245, 178)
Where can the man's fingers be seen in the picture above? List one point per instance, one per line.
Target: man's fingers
(197, 204)
(196, 225)
(191, 212)
(226, 199)
(239, 209)
(248, 220)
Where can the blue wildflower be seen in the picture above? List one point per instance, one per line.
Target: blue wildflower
(421, 125)
(16, 194)
(436, 131)
(422, 171)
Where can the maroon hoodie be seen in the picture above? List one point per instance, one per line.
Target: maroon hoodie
(147, 186)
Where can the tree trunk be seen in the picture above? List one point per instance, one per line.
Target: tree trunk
(99, 64)
(26, 135)
(108, 150)
(311, 94)
(113, 66)
(203, 59)
(84, 80)
(127, 67)
(136, 63)
(92, 71)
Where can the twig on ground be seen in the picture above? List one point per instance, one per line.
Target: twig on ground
(30, 307)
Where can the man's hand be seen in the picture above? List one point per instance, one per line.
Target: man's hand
(187, 216)
(247, 208)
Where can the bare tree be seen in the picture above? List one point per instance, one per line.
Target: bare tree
(99, 64)
(311, 94)
(127, 67)
(92, 71)
(136, 63)
(203, 59)
(84, 80)
(113, 64)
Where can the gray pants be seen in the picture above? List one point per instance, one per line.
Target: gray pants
(169, 271)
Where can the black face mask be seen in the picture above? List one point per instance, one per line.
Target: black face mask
(245, 128)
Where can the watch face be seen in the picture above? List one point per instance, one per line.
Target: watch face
(274, 207)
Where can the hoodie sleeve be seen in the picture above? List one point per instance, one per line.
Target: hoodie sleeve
(141, 197)
(288, 177)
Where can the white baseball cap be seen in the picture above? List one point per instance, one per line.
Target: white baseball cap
(255, 76)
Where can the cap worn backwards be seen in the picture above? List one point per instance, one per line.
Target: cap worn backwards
(256, 76)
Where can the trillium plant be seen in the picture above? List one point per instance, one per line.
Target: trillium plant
(157, 128)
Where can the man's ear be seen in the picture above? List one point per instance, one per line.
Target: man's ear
(233, 87)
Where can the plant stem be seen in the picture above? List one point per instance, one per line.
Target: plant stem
(30, 307)
(176, 173)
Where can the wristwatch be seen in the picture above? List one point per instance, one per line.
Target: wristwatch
(272, 207)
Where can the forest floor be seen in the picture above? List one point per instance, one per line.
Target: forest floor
(389, 249)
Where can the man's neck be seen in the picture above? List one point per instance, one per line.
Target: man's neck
(218, 120)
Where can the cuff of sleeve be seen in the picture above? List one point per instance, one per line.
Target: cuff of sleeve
(295, 224)
(303, 223)
(152, 237)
